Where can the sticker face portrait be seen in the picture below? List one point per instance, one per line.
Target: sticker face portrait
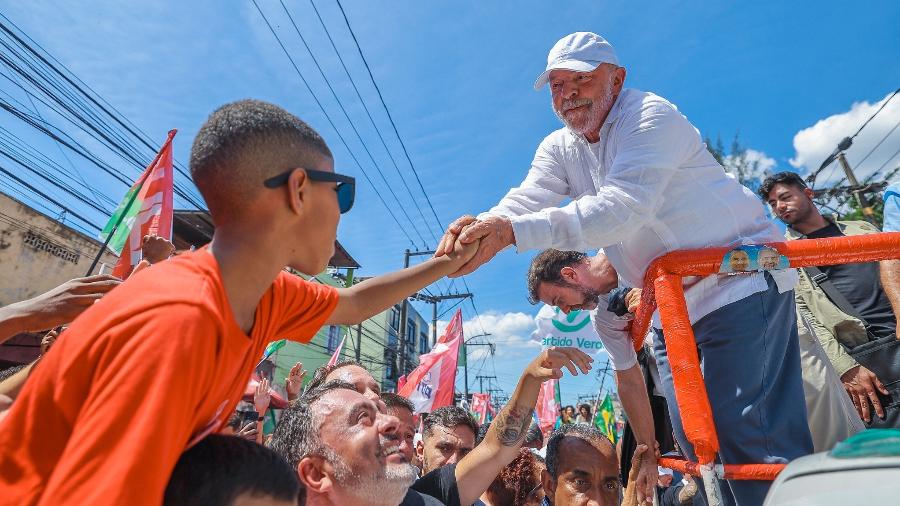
(768, 259)
(740, 261)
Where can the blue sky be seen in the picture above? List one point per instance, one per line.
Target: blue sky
(791, 77)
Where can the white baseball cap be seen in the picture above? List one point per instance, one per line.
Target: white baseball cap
(579, 51)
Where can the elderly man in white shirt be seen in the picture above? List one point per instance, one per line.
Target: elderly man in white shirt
(641, 184)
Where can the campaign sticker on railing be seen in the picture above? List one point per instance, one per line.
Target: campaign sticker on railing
(751, 258)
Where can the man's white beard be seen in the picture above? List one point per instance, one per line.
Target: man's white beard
(594, 115)
(387, 487)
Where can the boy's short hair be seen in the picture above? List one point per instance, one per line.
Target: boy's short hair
(786, 177)
(219, 469)
(392, 400)
(449, 417)
(546, 267)
(244, 143)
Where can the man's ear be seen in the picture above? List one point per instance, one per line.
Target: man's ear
(420, 451)
(315, 473)
(568, 273)
(619, 79)
(809, 193)
(298, 185)
(549, 485)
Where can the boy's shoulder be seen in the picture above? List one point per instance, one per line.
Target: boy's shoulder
(190, 278)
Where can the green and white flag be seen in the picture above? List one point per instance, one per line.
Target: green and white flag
(576, 329)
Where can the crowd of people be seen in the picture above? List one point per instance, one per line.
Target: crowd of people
(134, 399)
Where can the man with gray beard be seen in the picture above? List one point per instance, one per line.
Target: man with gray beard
(630, 175)
(344, 449)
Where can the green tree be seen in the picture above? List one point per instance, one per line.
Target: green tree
(736, 162)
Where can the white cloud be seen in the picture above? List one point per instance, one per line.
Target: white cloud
(750, 165)
(813, 145)
(511, 332)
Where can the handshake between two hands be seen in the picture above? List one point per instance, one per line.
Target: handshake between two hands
(475, 241)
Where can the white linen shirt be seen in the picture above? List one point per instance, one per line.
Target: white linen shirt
(654, 189)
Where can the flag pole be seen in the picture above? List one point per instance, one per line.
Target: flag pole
(115, 227)
(129, 204)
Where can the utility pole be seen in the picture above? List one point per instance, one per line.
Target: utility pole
(434, 300)
(465, 350)
(860, 192)
(480, 379)
(431, 299)
(358, 341)
(861, 198)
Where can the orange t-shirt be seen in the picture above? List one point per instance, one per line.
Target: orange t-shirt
(155, 364)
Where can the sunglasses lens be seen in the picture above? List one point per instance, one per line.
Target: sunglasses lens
(346, 193)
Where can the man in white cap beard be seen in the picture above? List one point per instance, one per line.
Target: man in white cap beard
(640, 182)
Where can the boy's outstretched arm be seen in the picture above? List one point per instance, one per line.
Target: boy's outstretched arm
(374, 295)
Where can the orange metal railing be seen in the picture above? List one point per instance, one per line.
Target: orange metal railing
(663, 289)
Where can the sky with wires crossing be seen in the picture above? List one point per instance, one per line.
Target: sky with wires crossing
(428, 104)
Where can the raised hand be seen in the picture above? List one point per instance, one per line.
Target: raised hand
(262, 397)
(56, 307)
(493, 232)
(549, 364)
(156, 249)
(49, 338)
(294, 382)
(248, 431)
(452, 234)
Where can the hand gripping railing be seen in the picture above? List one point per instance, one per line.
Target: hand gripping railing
(663, 288)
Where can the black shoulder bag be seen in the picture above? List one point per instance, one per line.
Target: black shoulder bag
(879, 355)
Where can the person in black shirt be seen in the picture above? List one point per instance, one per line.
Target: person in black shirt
(346, 449)
(871, 290)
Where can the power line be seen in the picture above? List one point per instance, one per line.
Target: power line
(397, 133)
(883, 165)
(330, 121)
(875, 113)
(353, 127)
(88, 120)
(390, 118)
(369, 114)
(859, 163)
(123, 140)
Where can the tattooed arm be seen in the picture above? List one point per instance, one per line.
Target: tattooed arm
(476, 471)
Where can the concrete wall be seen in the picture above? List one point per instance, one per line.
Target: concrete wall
(38, 253)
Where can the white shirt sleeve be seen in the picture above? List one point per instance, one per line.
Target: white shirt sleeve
(651, 144)
(544, 186)
(613, 333)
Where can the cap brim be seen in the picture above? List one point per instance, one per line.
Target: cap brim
(575, 65)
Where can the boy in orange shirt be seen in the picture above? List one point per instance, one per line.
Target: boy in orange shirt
(162, 360)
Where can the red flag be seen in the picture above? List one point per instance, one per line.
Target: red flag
(481, 406)
(547, 406)
(337, 352)
(430, 386)
(155, 213)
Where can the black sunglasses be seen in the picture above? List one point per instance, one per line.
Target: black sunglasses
(346, 185)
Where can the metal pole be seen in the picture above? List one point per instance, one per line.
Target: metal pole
(402, 337)
(358, 341)
(113, 231)
(140, 184)
(434, 304)
(466, 368)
